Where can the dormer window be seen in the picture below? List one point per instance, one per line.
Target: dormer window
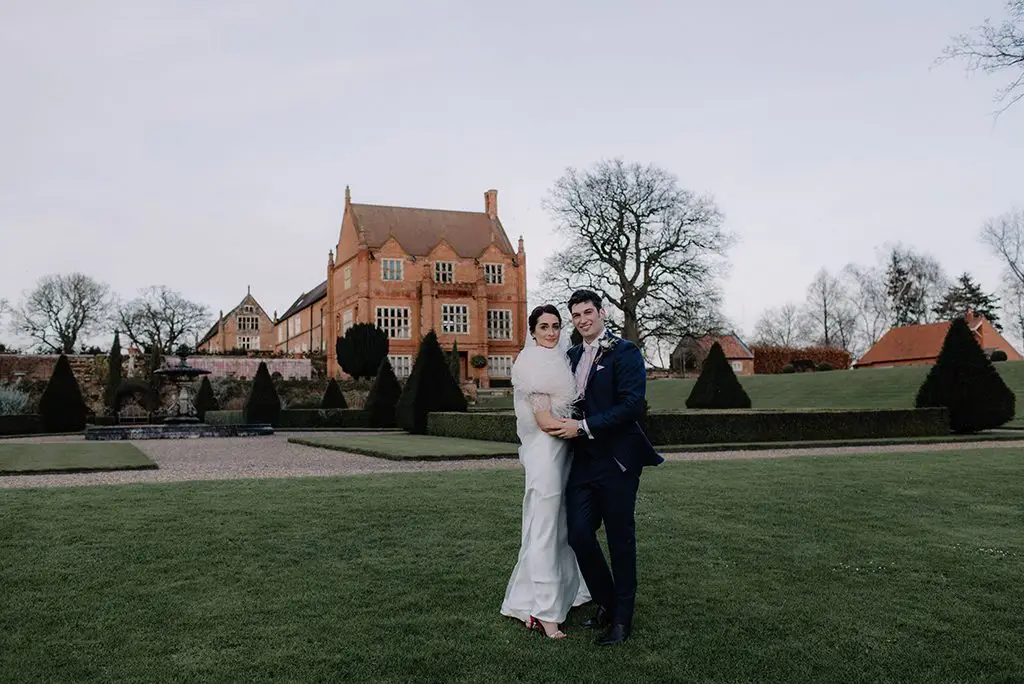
(494, 274)
(390, 269)
(444, 272)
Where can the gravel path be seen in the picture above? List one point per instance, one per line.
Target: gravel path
(274, 457)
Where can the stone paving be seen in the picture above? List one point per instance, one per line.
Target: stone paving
(274, 457)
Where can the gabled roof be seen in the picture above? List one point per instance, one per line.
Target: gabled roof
(419, 230)
(918, 342)
(305, 300)
(209, 333)
(907, 343)
(216, 324)
(732, 345)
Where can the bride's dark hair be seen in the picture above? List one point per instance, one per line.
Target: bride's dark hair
(540, 311)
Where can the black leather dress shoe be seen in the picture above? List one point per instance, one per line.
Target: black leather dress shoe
(616, 634)
(600, 620)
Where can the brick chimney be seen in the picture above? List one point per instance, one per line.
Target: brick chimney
(491, 203)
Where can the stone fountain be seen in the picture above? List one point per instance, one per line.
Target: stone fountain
(182, 376)
(182, 421)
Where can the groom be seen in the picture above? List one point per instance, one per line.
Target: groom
(609, 452)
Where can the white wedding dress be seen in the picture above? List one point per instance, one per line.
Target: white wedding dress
(546, 581)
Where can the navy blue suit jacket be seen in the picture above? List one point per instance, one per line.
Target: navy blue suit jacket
(613, 405)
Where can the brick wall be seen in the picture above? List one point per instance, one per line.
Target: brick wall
(14, 367)
(244, 367)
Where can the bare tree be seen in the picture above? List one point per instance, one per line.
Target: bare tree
(161, 318)
(869, 304)
(1004, 235)
(1013, 307)
(785, 326)
(62, 309)
(830, 317)
(651, 249)
(993, 48)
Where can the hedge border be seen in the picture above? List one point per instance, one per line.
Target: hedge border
(301, 419)
(21, 424)
(732, 426)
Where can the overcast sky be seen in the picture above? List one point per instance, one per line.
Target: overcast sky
(206, 145)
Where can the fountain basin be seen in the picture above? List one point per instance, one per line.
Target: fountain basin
(174, 431)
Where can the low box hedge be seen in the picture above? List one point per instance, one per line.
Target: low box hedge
(323, 418)
(225, 417)
(730, 426)
(490, 426)
(297, 419)
(742, 425)
(21, 424)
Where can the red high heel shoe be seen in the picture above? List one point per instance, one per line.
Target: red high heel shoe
(534, 623)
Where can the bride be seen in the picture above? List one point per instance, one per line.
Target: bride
(546, 581)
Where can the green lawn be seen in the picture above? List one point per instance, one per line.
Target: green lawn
(880, 568)
(862, 388)
(75, 457)
(406, 447)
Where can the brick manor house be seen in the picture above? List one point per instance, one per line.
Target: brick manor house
(407, 271)
(410, 271)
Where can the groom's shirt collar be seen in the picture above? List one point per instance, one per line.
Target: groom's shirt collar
(596, 343)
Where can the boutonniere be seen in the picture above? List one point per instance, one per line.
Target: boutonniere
(605, 344)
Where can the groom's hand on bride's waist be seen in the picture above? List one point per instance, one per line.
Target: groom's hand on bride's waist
(567, 428)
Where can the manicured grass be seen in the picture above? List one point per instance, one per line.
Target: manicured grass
(878, 568)
(58, 457)
(862, 388)
(406, 447)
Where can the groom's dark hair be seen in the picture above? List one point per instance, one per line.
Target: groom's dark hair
(580, 296)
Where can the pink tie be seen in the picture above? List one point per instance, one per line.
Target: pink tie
(584, 368)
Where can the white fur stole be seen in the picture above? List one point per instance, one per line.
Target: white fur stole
(539, 370)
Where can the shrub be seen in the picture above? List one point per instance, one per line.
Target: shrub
(430, 387)
(717, 387)
(333, 397)
(383, 397)
(998, 355)
(22, 424)
(478, 361)
(361, 349)
(263, 405)
(788, 368)
(964, 380)
(205, 399)
(62, 407)
(115, 374)
(822, 367)
(13, 401)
